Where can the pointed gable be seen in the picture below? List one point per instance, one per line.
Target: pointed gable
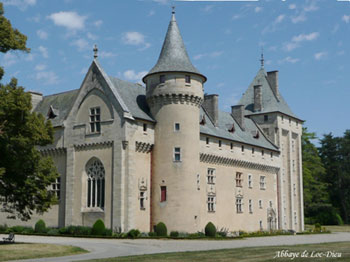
(270, 101)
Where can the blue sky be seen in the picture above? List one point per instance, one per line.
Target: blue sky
(307, 41)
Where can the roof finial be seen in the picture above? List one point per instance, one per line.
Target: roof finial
(262, 57)
(173, 9)
(95, 51)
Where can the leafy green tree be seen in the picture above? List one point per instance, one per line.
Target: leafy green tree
(25, 175)
(316, 198)
(335, 155)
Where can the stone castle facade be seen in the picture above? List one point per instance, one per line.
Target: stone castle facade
(135, 156)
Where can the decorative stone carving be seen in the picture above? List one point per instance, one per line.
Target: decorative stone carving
(125, 144)
(93, 145)
(143, 147)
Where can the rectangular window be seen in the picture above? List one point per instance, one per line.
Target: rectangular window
(262, 152)
(242, 148)
(250, 181)
(142, 200)
(55, 187)
(271, 154)
(253, 150)
(144, 127)
(266, 118)
(239, 203)
(207, 140)
(211, 176)
(162, 193)
(177, 127)
(231, 146)
(270, 203)
(250, 206)
(260, 225)
(220, 143)
(95, 120)
(262, 182)
(294, 190)
(162, 79)
(177, 154)
(187, 79)
(211, 203)
(239, 179)
(260, 204)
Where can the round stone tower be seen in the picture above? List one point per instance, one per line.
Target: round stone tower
(174, 92)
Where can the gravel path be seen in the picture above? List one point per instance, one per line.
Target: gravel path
(103, 248)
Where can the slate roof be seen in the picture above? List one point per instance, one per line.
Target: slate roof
(173, 57)
(270, 102)
(225, 123)
(61, 103)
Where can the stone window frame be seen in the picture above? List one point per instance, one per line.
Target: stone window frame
(211, 203)
(262, 182)
(239, 204)
(211, 176)
(177, 154)
(56, 187)
(187, 79)
(260, 203)
(177, 127)
(250, 206)
(95, 119)
(142, 198)
(250, 181)
(162, 79)
(163, 194)
(239, 179)
(96, 188)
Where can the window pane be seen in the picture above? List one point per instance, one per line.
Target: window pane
(98, 127)
(163, 194)
(89, 193)
(97, 110)
(103, 193)
(93, 192)
(98, 193)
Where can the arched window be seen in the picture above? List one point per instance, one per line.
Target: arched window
(95, 184)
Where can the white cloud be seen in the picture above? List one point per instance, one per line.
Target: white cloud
(207, 8)
(211, 55)
(40, 67)
(29, 57)
(299, 18)
(47, 77)
(311, 7)
(21, 4)
(296, 40)
(105, 54)
(91, 36)
(44, 52)
(98, 23)
(320, 55)
(10, 59)
(81, 43)
(257, 9)
(70, 20)
(131, 75)
(42, 34)
(289, 59)
(273, 26)
(346, 18)
(133, 38)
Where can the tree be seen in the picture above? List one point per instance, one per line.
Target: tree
(335, 155)
(25, 175)
(316, 199)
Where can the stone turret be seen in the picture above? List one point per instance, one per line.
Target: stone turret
(174, 92)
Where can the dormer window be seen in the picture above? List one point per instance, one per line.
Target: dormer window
(187, 79)
(202, 122)
(95, 120)
(162, 79)
(52, 113)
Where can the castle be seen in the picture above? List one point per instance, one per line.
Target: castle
(135, 156)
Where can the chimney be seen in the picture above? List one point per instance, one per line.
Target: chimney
(211, 105)
(257, 98)
(36, 99)
(238, 114)
(273, 80)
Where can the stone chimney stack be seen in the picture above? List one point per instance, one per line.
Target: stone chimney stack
(273, 80)
(211, 105)
(257, 98)
(238, 114)
(36, 99)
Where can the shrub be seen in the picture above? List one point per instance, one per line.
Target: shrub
(98, 229)
(53, 232)
(108, 232)
(40, 226)
(3, 228)
(222, 232)
(134, 233)
(174, 234)
(161, 229)
(210, 230)
(152, 234)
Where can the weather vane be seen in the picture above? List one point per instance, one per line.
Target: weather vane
(95, 51)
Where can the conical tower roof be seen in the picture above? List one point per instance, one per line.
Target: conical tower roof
(173, 57)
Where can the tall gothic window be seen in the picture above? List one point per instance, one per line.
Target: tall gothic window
(95, 120)
(95, 184)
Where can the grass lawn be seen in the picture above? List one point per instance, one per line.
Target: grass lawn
(260, 254)
(17, 251)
